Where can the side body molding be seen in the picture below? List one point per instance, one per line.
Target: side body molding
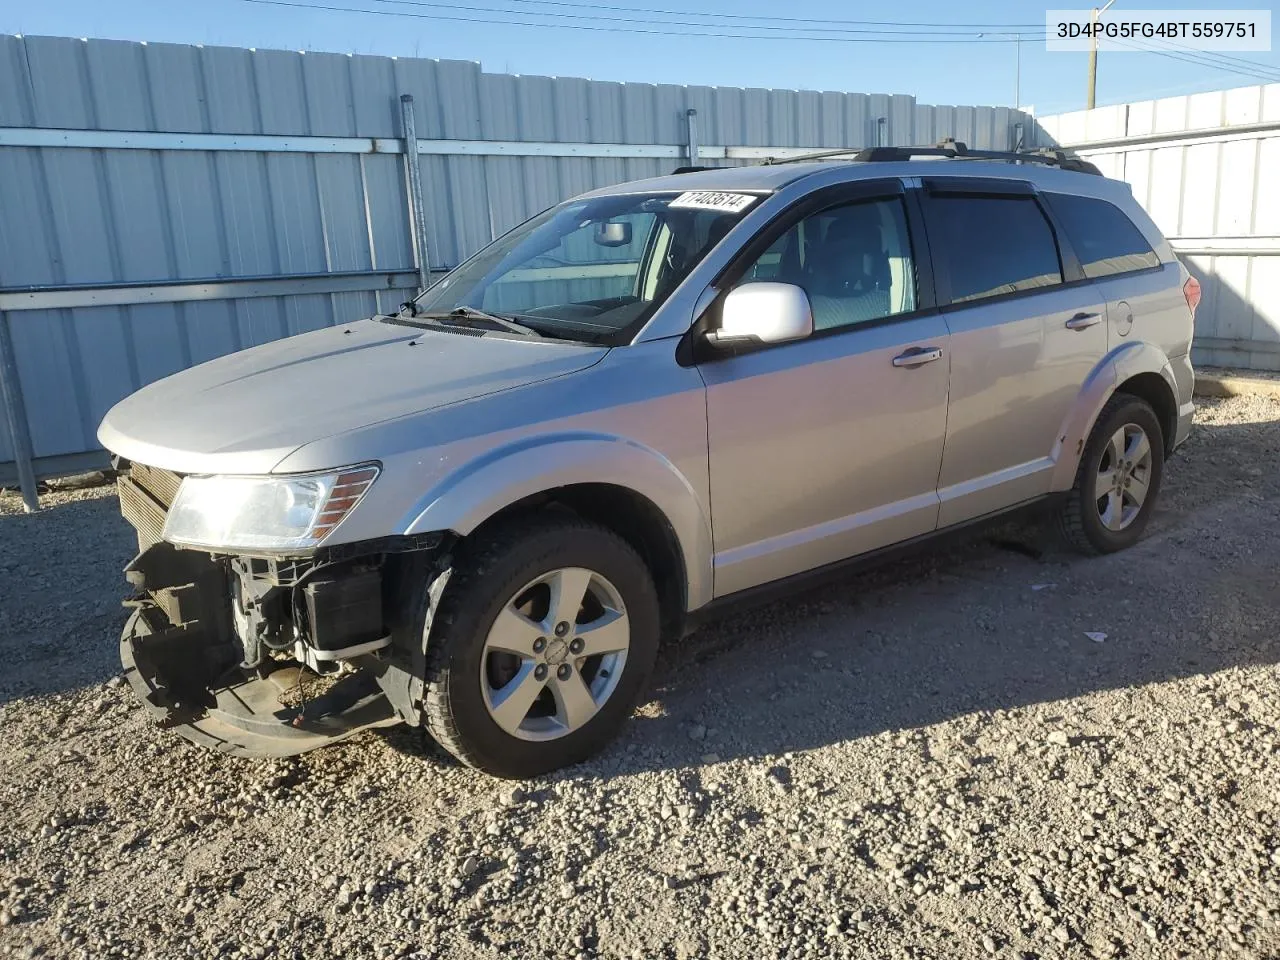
(1122, 363)
(478, 489)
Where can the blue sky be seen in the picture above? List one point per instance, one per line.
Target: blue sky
(980, 72)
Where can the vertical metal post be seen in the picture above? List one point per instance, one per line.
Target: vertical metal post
(16, 414)
(882, 132)
(1017, 137)
(417, 206)
(691, 117)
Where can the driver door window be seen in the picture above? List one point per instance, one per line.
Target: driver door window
(854, 262)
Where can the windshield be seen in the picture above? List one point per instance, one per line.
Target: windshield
(592, 270)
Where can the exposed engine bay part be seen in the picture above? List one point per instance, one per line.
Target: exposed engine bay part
(185, 587)
(323, 612)
(258, 606)
(344, 611)
(146, 493)
(193, 690)
(273, 656)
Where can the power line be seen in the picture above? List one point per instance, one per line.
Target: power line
(1188, 57)
(1181, 58)
(741, 16)
(1208, 58)
(1213, 55)
(760, 18)
(649, 21)
(602, 29)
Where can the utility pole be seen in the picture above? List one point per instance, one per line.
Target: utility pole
(1017, 74)
(1093, 52)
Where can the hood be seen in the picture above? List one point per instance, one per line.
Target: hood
(246, 412)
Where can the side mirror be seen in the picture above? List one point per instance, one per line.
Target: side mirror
(765, 311)
(613, 233)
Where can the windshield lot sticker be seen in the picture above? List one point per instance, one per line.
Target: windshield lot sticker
(711, 200)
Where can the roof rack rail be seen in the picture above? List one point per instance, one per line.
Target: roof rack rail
(956, 150)
(691, 169)
(806, 157)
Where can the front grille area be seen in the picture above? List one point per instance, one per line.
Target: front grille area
(160, 484)
(146, 493)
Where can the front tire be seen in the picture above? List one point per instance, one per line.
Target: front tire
(1118, 480)
(542, 646)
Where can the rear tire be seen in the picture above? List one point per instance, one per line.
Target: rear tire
(1118, 479)
(541, 689)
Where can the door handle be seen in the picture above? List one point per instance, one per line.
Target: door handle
(1082, 320)
(917, 356)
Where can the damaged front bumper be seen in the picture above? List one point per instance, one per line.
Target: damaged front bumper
(272, 657)
(261, 713)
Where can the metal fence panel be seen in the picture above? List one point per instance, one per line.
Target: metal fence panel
(1204, 167)
(7, 455)
(216, 214)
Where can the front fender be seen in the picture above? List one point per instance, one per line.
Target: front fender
(1122, 363)
(473, 493)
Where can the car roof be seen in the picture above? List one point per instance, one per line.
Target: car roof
(766, 178)
(754, 178)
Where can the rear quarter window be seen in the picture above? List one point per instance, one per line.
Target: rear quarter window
(1106, 241)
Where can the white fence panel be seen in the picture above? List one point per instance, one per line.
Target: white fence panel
(1207, 169)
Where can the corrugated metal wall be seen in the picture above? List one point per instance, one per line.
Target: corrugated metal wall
(327, 196)
(1207, 169)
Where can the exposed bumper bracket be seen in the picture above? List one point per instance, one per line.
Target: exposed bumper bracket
(237, 711)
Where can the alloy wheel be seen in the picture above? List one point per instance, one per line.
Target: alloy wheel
(554, 654)
(1124, 477)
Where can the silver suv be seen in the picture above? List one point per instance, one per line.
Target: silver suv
(482, 515)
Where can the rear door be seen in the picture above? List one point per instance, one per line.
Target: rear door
(1144, 297)
(1026, 331)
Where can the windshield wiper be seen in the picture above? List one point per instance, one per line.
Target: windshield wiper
(471, 313)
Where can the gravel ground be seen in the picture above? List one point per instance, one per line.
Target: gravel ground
(930, 760)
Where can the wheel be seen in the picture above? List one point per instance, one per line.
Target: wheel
(1118, 479)
(544, 641)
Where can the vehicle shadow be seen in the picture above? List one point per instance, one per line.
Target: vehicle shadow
(997, 623)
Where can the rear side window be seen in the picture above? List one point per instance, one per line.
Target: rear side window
(1104, 238)
(995, 245)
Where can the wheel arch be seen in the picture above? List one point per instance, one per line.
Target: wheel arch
(633, 517)
(1152, 388)
(1140, 368)
(622, 485)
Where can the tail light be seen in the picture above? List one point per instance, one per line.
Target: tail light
(1191, 290)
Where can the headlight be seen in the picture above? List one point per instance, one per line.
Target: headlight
(264, 513)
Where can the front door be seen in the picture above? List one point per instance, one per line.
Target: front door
(1026, 333)
(829, 447)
